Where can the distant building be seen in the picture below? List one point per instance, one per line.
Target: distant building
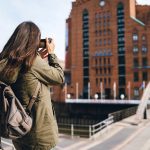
(107, 49)
(57, 92)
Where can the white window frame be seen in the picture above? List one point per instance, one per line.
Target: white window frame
(135, 37)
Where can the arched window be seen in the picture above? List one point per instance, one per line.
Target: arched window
(135, 35)
(85, 14)
(120, 6)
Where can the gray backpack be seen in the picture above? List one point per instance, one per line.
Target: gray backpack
(15, 121)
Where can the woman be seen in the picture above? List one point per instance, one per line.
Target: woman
(22, 67)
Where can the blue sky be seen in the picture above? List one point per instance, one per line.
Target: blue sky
(49, 15)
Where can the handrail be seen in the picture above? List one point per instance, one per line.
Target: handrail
(101, 125)
(85, 130)
(121, 114)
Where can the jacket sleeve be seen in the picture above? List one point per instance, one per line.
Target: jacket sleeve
(50, 74)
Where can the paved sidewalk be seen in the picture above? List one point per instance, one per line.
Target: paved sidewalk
(122, 135)
(140, 140)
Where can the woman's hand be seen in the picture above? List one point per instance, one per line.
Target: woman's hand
(43, 53)
(48, 50)
(50, 46)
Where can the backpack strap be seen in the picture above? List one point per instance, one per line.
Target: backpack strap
(34, 97)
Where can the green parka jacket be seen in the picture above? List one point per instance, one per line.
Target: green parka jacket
(44, 131)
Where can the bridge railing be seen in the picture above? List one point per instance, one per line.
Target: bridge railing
(86, 131)
(119, 115)
(101, 125)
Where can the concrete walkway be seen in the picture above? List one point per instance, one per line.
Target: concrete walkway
(122, 135)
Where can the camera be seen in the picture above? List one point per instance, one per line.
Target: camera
(43, 42)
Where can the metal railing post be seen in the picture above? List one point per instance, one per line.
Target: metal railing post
(72, 131)
(90, 131)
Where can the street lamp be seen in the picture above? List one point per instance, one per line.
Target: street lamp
(96, 96)
(122, 96)
(68, 96)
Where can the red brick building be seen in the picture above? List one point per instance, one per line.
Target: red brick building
(107, 42)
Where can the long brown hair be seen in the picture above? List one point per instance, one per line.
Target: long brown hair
(21, 48)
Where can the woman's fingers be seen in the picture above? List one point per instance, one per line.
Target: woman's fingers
(43, 52)
(50, 45)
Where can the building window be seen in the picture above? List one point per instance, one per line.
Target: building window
(135, 49)
(100, 42)
(96, 62)
(108, 14)
(86, 62)
(104, 32)
(121, 49)
(86, 53)
(145, 76)
(100, 32)
(122, 70)
(144, 48)
(67, 77)
(109, 41)
(136, 76)
(85, 43)
(121, 39)
(101, 80)
(96, 81)
(100, 61)
(144, 62)
(100, 24)
(121, 60)
(135, 37)
(122, 80)
(100, 70)
(85, 34)
(120, 21)
(109, 70)
(108, 60)
(120, 29)
(96, 71)
(109, 32)
(105, 80)
(136, 92)
(104, 61)
(108, 23)
(121, 43)
(96, 42)
(96, 32)
(86, 71)
(104, 41)
(109, 81)
(136, 62)
(96, 15)
(105, 71)
(143, 37)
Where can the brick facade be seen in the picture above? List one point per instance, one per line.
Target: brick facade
(107, 43)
